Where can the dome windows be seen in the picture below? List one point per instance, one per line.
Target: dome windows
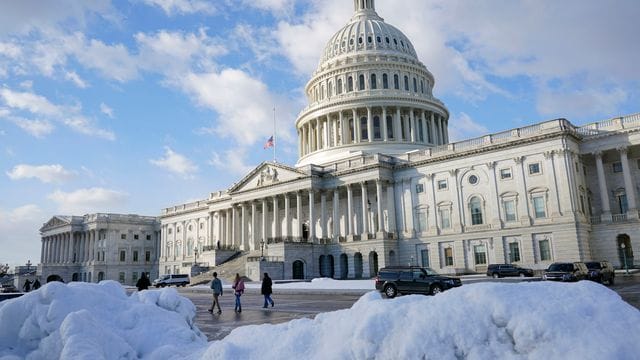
(369, 39)
(396, 82)
(374, 82)
(387, 39)
(385, 81)
(350, 84)
(361, 82)
(360, 40)
(339, 86)
(379, 39)
(406, 83)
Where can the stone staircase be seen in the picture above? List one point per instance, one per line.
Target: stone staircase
(226, 271)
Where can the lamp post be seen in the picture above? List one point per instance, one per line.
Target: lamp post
(195, 257)
(624, 254)
(261, 249)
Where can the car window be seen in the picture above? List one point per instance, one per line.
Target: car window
(418, 274)
(593, 265)
(430, 272)
(406, 275)
(561, 267)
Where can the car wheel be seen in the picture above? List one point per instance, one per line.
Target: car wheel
(436, 289)
(390, 291)
(495, 275)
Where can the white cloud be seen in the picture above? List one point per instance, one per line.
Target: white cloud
(463, 127)
(45, 173)
(173, 7)
(33, 103)
(76, 79)
(26, 213)
(105, 109)
(570, 103)
(36, 128)
(277, 7)
(176, 163)
(85, 126)
(84, 201)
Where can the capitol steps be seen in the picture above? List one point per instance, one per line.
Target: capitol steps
(227, 270)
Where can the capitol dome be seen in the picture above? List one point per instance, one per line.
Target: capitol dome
(369, 94)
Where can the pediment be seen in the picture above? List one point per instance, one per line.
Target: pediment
(267, 174)
(55, 222)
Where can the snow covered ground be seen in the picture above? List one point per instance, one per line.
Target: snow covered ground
(539, 320)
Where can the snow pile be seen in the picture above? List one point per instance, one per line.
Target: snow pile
(97, 321)
(482, 321)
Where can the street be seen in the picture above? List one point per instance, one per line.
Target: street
(297, 304)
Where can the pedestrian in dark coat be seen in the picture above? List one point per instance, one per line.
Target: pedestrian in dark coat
(143, 283)
(267, 290)
(36, 285)
(27, 286)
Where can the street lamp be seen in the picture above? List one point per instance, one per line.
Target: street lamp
(624, 254)
(261, 249)
(195, 258)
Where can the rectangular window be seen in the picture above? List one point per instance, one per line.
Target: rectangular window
(514, 252)
(147, 256)
(148, 237)
(577, 167)
(539, 207)
(445, 222)
(545, 250)
(448, 257)
(422, 220)
(534, 168)
(134, 277)
(170, 230)
(442, 184)
(135, 237)
(419, 188)
(505, 174)
(622, 203)
(121, 276)
(135, 255)
(617, 167)
(123, 236)
(424, 257)
(123, 255)
(510, 210)
(480, 254)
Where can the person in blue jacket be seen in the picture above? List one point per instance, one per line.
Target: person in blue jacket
(216, 286)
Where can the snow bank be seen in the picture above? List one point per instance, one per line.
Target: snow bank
(482, 321)
(97, 321)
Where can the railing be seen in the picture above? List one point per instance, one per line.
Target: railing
(265, 258)
(609, 125)
(619, 218)
(596, 220)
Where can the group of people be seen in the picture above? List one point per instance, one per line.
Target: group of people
(28, 285)
(238, 289)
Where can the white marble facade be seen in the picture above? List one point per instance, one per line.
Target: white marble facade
(99, 247)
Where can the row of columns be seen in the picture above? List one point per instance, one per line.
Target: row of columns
(60, 248)
(332, 130)
(629, 187)
(238, 225)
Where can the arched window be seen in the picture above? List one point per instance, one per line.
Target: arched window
(364, 131)
(322, 92)
(385, 81)
(390, 126)
(330, 89)
(350, 84)
(406, 83)
(396, 82)
(339, 86)
(376, 128)
(361, 82)
(475, 205)
(374, 83)
(351, 131)
(420, 131)
(422, 86)
(415, 85)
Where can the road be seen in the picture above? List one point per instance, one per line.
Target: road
(298, 305)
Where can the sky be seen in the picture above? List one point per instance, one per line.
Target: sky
(131, 106)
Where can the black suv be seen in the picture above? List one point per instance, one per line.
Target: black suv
(601, 271)
(393, 280)
(566, 271)
(502, 270)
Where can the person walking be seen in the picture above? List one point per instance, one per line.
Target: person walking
(267, 290)
(216, 286)
(143, 283)
(36, 285)
(27, 286)
(238, 287)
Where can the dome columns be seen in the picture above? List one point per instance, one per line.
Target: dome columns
(361, 5)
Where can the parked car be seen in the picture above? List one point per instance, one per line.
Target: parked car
(394, 280)
(566, 271)
(9, 288)
(601, 271)
(172, 279)
(502, 270)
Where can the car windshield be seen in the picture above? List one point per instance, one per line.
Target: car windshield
(430, 272)
(593, 265)
(561, 267)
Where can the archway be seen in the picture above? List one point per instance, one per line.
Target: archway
(344, 266)
(51, 278)
(298, 270)
(373, 264)
(322, 264)
(74, 277)
(357, 265)
(627, 252)
(331, 266)
(100, 276)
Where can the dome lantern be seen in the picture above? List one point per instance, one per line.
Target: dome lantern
(364, 5)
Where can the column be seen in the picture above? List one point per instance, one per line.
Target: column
(423, 121)
(243, 233)
(323, 215)
(397, 128)
(254, 228)
(303, 140)
(264, 220)
(434, 133)
(495, 209)
(228, 237)
(602, 185)
(356, 127)
(350, 230)
(300, 153)
(276, 220)
(629, 184)
(445, 129)
(287, 216)
(552, 179)
(433, 215)
(380, 228)
(42, 249)
(412, 126)
(365, 211)
(442, 131)
(312, 220)
(523, 206)
(383, 123)
(391, 206)
(65, 248)
(299, 214)
(457, 218)
(369, 125)
(343, 130)
(318, 135)
(336, 214)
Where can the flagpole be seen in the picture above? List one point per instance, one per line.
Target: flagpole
(274, 135)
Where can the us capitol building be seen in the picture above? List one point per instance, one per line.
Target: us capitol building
(378, 183)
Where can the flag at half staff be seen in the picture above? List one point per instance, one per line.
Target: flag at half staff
(269, 143)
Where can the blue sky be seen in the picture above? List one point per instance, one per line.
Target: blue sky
(130, 106)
